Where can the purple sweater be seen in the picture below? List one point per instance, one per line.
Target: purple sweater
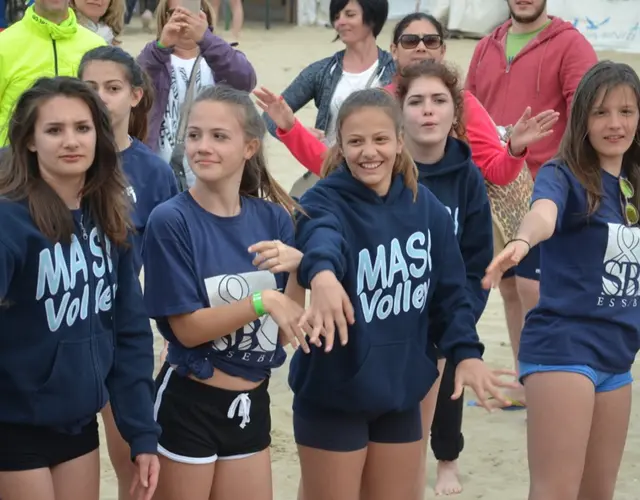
(227, 64)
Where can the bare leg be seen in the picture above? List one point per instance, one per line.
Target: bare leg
(330, 474)
(237, 18)
(514, 314)
(393, 471)
(27, 485)
(427, 411)
(119, 453)
(178, 481)
(243, 478)
(606, 444)
(559, 421)
(78, 479)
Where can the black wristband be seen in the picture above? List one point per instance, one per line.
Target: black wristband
(519, 239)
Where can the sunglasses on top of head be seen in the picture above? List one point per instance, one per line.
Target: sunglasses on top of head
(412, 41)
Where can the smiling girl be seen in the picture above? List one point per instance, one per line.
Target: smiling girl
(382, 262)
(74, 329)
(217, 261)
(580, 341)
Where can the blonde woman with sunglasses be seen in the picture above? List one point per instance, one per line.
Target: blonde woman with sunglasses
(579, 342)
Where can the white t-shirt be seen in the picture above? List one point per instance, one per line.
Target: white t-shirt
(349, 83)
(180, 73)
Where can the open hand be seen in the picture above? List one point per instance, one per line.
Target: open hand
(484, 382)
(276, 107)
(529, 130)
(511, 256)
(275, 256)
(330, 307)
(145, 478)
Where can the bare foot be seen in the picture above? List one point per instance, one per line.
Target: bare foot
(447, 480)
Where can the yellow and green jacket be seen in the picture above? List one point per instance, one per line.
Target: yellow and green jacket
(33, 48)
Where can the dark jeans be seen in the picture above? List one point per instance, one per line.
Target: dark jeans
(447, 440)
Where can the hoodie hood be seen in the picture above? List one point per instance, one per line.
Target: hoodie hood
(350, 188)
(457, 156)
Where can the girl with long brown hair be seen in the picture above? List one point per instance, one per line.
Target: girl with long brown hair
(125, 89)
(580, 341)
(381, 258)
(220, 281)
(75, 330)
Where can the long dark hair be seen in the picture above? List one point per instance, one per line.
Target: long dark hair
(577, 152)
(103, 194)
(379, 99)
(256, 179)
(449, 76)
(137, 78)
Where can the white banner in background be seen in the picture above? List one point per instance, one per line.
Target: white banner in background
(607, 24)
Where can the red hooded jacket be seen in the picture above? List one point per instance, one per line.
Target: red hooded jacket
(544, 75)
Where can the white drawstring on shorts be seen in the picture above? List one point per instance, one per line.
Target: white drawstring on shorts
(242, 404)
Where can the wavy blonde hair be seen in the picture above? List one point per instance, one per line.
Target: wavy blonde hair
(113, 17)
(163, 15)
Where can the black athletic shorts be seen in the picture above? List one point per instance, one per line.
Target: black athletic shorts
(202, 424)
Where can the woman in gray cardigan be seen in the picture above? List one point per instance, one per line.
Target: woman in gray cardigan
(360, 65)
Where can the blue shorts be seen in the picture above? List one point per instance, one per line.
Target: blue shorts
(529, 267)
(329, 430)
(602, 381)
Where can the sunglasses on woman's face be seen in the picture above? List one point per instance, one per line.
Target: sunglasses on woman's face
(412, 41)
(630, 211)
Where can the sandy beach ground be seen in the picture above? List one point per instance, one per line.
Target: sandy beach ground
(493, 463)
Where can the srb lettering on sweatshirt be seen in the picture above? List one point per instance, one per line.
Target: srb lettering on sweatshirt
(73, 286)
(393, 281)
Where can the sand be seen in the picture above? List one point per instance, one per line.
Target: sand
(493, 463)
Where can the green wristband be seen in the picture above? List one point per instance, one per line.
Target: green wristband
(258, 306)
(160, 45)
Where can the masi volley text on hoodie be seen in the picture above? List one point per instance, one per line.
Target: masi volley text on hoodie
(73, 330)
(399, 262)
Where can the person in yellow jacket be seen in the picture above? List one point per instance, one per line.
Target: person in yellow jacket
(47, 41)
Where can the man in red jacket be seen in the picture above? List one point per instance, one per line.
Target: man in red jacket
(531, 60)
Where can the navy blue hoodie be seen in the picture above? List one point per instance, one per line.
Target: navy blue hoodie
(399, 262)
(151, 182)
(458, 183)
(66, 344)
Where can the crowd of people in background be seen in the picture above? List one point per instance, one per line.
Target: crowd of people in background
(423, 191)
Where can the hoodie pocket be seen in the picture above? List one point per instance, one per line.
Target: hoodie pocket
(71, 391)
(393, 377)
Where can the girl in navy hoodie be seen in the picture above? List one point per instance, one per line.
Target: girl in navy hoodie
(433, 112)
(125, 89)
(383, 265)
(74, 328)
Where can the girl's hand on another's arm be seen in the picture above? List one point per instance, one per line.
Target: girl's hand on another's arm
(276, 107)
(275, 256)
(330, 307)
(289, 316)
